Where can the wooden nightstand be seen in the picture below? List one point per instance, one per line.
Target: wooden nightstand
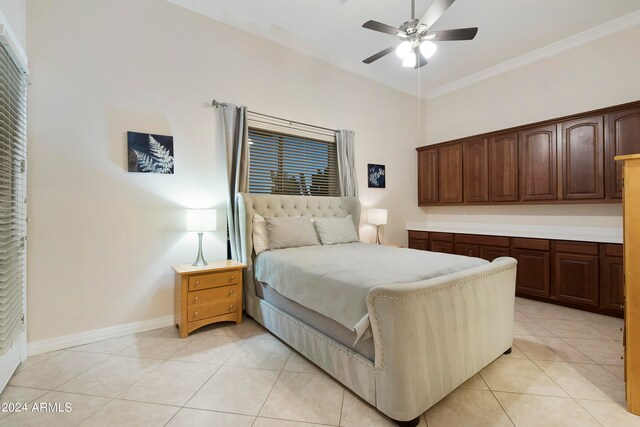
(208, 294)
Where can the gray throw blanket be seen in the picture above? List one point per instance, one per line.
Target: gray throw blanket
(334, 280)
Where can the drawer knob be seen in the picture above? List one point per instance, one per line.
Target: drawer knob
(195, 314)
(231, 292)
(197, 282)
(231, 307)
(196, 298)
(232, 278)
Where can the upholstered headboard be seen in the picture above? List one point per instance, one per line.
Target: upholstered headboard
(271, 205)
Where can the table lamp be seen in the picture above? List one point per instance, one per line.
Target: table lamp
(201, 221)
(377, 217)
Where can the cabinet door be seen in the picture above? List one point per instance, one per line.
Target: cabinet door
(492, 252)
(503, 167)
(446, 247)
(419, 244)
(533, 272)
(467, 249)
(582, 158)
(623, 137)
(476, 173)
(428, 177)
(612, 283)
(450, 177)
(538, 168)
(576, 278)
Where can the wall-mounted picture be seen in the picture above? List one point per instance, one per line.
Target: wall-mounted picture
(150, 153)
(376, 176)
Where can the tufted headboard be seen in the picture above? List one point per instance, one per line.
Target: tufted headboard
(272, 205)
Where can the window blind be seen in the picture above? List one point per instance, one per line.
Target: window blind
(13, 157)
(281, 163)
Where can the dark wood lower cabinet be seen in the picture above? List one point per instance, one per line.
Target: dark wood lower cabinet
(467, 249)
(580, 275)
(533, 272)
(576, 278)
(492, 252)
(445, 247)
(612, 283)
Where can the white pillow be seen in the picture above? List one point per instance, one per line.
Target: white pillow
(260, 236)
(336, 230)
(291, 232)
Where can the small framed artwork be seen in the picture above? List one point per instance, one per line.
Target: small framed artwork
(150, 153)
(376, 176)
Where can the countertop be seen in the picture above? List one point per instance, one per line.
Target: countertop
(555, 232)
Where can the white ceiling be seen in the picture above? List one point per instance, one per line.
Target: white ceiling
(331, 30)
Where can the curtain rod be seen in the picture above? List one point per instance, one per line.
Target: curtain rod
(215, 104)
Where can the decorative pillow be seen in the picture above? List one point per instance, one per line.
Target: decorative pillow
(260, 236)
(291, 232)
(336, 230)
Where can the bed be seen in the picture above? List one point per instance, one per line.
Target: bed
(401, 338)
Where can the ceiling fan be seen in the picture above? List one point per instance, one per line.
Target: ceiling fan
(417, 41)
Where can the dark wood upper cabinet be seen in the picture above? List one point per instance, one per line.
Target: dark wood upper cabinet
(623, 137)
(428, 176)
(538, 167)
(450, 177)
(564, 160)
(503, 167)
(476, 174)
(581, 158)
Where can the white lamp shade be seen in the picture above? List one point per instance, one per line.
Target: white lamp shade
(409, 60)
(377, 216)
(403, 49)
(201, 220)
(428, 48)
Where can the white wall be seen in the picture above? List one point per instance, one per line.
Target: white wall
(595, 75)
(15, 11)
(102, 240)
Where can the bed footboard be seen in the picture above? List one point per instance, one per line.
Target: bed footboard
(431, 336)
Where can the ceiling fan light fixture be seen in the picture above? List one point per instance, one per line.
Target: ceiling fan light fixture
(409, 60)
(428, 48)
(403, 49)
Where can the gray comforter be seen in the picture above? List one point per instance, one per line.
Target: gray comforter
(334, 280)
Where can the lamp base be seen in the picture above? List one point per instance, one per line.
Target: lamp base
(199, 262)
(377, 234)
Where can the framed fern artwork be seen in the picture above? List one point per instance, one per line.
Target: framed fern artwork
(150, 153)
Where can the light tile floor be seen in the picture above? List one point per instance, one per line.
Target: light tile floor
(565, 370)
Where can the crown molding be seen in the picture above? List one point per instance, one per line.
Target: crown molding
(595, 33)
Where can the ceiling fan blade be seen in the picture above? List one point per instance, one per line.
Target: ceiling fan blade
(435, 11)
(421, 61)
(383, 28)
(379, 55)
(450, 35)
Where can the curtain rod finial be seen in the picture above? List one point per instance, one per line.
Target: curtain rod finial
(215, 103)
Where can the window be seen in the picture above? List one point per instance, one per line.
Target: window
(13, 156)
(281, 163)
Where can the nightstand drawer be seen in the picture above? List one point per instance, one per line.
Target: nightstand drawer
(209, 295)
(212, 309)
(213, 280)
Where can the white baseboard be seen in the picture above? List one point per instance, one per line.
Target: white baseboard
(88, 337)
